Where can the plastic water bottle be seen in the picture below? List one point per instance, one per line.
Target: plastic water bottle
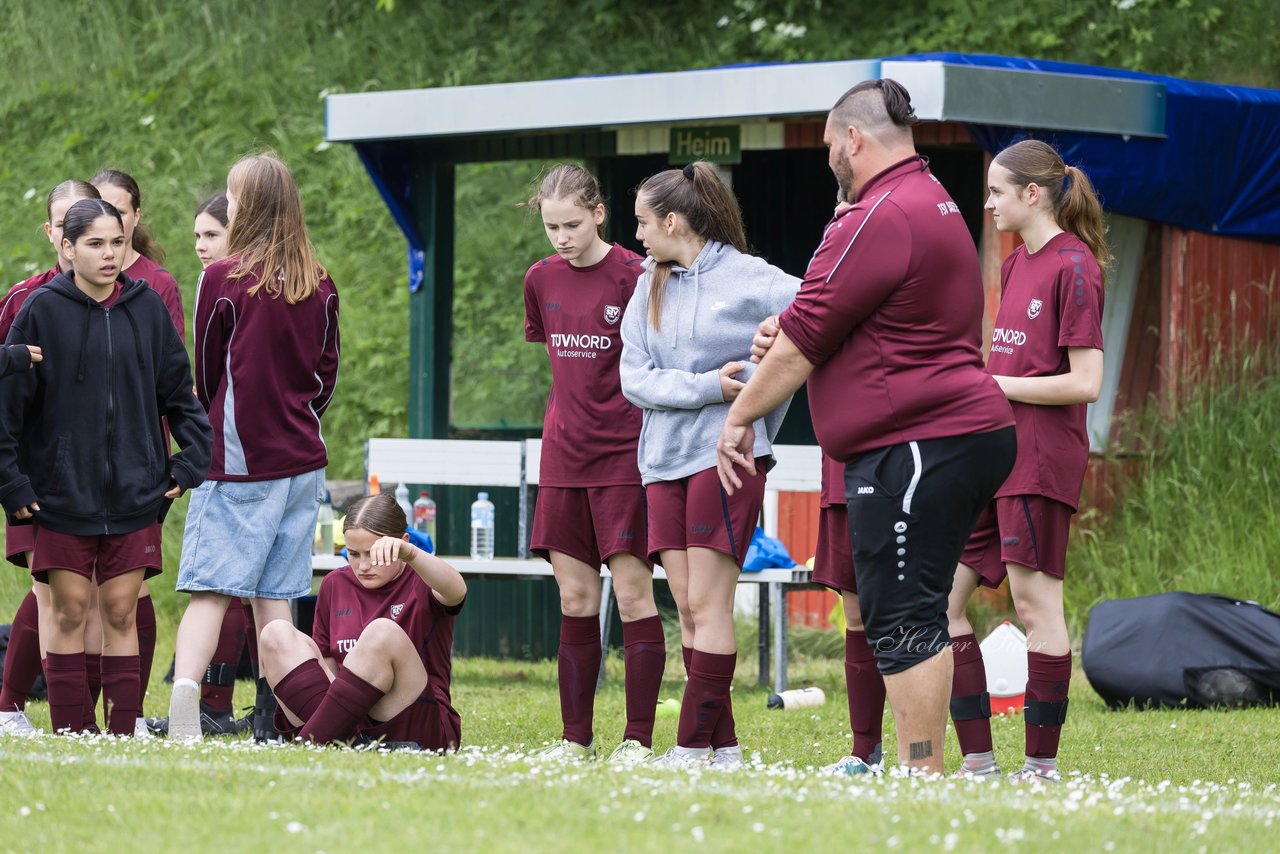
(324, 527)
(482, 528)
(424, 515)
(797, 698)
(402, 498)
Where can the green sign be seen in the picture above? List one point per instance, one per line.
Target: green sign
(721, 144)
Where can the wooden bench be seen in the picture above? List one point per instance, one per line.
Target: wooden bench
(461, 462)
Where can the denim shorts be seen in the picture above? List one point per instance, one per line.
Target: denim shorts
(251, 538)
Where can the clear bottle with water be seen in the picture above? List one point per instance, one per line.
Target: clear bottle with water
(482, 511)
(402, 498)
(323, 544)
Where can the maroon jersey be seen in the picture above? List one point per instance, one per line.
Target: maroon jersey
(18, 295)
(890, 313)
(833, 494)
(163, 284)
(344, 607)
(1050, 300)
(590, 433)
(265, 371)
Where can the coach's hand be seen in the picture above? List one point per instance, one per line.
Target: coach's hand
(766, 334)
(175, 489)
(28, 511)
(729, 387)
(734, 449)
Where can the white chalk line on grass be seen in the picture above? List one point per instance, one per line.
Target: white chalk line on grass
(1118, 797)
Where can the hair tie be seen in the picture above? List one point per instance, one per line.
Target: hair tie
(688, 171)
(1066, 180)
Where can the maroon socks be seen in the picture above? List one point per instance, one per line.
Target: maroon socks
(865, 687)
(344, 708)
(970, 702)
(705, 698)
(1048, 678)
(216, 694)
(303, 688)
(22, 661)
(64, 673)
(145, 624)
(645, 655)
(93, 690)
(251, 637)
(120, 693)
(579, 660)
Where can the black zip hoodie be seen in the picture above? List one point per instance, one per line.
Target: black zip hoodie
(81, 434)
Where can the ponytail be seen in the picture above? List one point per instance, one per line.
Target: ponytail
(1080, 213)
(1076, 207)
(709, 207)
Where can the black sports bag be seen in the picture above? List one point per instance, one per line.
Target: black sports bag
(1183, 649)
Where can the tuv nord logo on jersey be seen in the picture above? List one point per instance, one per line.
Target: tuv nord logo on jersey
(611, 314)
(1033, 310)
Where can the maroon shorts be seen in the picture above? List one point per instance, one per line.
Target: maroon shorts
(696, 512)
(833, 563)
(102, 557)
(590, 523)
(18, 540)
(425, 721)
(1029, 530)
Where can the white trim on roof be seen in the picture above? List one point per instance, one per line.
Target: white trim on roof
(939, 91)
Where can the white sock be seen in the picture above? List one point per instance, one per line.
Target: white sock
(178, 683)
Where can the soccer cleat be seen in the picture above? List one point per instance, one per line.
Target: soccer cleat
(991, 772)
(17, 723)
(566, 750)
(184, 712)
(684, 757)
(211, 723)
(852, 766)
(1027, 774)
(630, 752)
(727, 758)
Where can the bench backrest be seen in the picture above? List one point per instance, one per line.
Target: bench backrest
(452, 462)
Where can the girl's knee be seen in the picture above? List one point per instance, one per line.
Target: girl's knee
(382, 633)
(276, 636)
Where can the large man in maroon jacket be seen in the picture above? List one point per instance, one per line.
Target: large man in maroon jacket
(886, 329)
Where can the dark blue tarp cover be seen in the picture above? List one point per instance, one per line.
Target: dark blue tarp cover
(1217, 169)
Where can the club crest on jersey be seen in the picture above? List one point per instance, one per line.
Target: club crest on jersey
(611, 314)
(1033, 310)
(396, 609)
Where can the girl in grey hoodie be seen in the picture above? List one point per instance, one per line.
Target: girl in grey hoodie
(686, 341)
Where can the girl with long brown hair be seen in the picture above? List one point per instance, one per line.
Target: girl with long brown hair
(686, 341)
(266, 359)
(1046, 354)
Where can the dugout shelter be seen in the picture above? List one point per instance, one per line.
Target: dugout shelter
(1189, 174)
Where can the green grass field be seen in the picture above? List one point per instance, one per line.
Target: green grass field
(1162, 780)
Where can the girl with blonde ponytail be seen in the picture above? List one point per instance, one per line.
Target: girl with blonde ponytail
(1046, 354)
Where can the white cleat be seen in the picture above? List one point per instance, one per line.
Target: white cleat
(17, 723)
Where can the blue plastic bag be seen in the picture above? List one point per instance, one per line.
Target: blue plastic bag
(766, 553)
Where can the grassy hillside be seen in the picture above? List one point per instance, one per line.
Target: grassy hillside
(173, 92)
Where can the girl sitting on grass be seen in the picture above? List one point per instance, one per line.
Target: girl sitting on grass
(379, 660)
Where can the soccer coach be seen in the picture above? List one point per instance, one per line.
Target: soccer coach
(886, 329)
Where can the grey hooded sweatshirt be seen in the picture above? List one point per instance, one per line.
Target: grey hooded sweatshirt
(709, 316)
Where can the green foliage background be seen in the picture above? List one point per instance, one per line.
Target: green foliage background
(174, 92)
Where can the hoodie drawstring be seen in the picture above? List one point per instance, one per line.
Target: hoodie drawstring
(133, 324)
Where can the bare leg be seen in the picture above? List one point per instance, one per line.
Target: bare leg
(919, 697)
(962, 588)
(1037, 597)
(633, 587)
(386, 659)
(579, 586)
(198, 635)
(712, 580)
(676, 564)
(70, 596)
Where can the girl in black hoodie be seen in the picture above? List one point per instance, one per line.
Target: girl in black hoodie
(83, 456)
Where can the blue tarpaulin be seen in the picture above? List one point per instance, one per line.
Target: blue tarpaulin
(1217, 170)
